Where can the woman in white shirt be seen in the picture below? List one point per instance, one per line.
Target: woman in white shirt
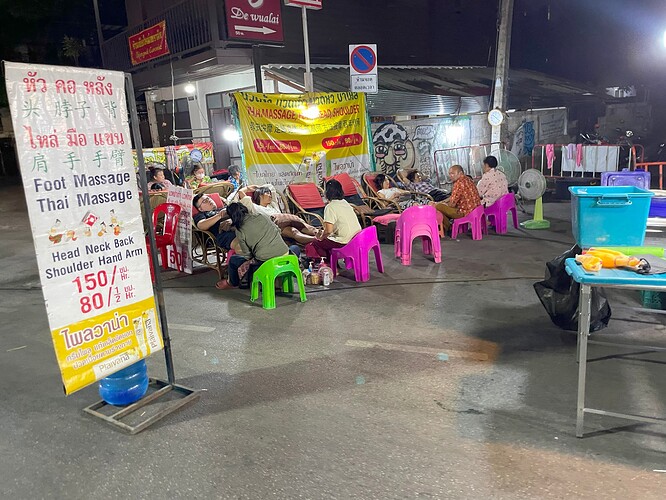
(291, 226)
(340, 223)
(384, 190)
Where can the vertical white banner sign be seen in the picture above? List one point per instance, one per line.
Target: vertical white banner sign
(74, 147)
(180, 255)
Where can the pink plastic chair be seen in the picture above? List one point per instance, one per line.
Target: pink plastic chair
(355, 253)
(419, 220)
(499, 210)
(476, 220)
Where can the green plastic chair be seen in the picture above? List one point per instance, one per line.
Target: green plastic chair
(278, 267)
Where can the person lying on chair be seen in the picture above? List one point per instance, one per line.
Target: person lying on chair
(384, 190)
(258, 240)
(291, 226)
(215, 220)
(416, 182)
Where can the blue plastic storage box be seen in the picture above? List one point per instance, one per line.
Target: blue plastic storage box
(658, 206)
(609, 215)
(638, 178)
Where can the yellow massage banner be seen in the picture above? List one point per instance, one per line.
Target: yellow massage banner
(95, 348)
(303, 137)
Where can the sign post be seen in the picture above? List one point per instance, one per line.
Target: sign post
(363, 68)
(304, 5)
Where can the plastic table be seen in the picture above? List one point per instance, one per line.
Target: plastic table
(609, 278)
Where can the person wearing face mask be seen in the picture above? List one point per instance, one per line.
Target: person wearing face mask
(197, 177)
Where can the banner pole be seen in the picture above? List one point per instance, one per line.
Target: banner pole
(158, 290)
(309, 84)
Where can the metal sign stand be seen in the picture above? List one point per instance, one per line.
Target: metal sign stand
(160, 387)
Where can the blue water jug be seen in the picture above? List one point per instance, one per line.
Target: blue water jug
(126, 386)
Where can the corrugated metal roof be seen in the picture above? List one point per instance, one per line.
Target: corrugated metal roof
(436, 90)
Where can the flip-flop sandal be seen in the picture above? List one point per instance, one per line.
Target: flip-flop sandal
(224, 285)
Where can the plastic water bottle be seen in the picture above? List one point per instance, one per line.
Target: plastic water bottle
(126, 386)
(325, 272)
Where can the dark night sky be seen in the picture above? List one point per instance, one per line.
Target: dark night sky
(599, 41)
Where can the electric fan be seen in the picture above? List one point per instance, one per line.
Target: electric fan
(531, 186)
(509, 164)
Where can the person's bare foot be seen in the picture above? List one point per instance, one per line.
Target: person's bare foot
(224, 285)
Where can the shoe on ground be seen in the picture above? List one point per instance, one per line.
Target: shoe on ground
(224, 285)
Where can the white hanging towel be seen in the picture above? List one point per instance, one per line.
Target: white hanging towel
(595, 159)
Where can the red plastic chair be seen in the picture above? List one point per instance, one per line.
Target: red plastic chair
(499, 210)
(167, 237)
(419, 220)
(356, 254)
(476, 220)
(150, 261)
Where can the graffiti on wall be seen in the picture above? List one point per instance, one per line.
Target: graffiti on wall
(432, 145)
(413, 143)
(393, 148)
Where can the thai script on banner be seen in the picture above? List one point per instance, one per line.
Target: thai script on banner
(180, 254)
(151, 155)
(72, 137)
(295, 138)
(150, 43)
(173, 156)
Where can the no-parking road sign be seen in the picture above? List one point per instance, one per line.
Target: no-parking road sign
(363, 59)
(363, 68)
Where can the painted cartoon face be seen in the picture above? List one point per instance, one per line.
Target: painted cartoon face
(393, 149)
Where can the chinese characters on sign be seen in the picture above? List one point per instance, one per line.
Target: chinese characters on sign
(72, 137)
(290, 138)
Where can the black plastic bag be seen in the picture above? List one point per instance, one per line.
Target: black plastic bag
(559, 295)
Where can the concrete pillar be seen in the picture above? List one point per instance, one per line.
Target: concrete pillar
(152, 121)
(501, 92)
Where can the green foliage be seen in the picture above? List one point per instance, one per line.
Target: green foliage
(73, 48)
(33, 30)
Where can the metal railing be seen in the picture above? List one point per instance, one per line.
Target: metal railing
(560, 165)
(190, 25)
(654, 167)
